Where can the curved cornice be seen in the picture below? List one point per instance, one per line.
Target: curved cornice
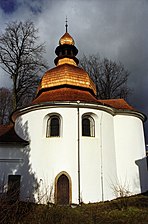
(76, 104)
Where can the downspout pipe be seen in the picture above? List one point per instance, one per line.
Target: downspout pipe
(101, 150)
(78, 142)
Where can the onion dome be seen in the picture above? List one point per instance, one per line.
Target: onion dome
(66, 74)
(66, 39)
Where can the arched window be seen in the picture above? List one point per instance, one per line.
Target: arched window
(88, 126)
(53, 126)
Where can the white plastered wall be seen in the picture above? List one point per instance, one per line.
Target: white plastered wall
(130, 153)
(97, 158)
(50, 156)
(105, 160)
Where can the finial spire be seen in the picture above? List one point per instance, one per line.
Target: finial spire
(66, 25)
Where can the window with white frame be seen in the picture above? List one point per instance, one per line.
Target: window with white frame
(53, 126)
(88, 126)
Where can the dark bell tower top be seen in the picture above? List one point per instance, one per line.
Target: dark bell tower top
(66, 51)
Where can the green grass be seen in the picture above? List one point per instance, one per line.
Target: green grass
(131, 210)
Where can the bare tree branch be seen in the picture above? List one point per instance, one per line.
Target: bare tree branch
(21, 56)
(110, 77)
(5, 105)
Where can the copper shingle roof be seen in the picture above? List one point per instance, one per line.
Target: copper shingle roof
(66, 74)
(65, 94)
(117, 104)
(8, 135)
(72, 94)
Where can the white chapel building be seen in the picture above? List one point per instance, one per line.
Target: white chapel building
(68, 146)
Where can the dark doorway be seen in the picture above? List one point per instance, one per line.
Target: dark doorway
(13, 187)
(63, 190)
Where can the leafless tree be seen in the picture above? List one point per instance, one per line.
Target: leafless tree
(110, 77)
(5, 105)
(21, 57)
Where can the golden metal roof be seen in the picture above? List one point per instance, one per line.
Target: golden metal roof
(66, 39)
(67, 74)
(66, 61)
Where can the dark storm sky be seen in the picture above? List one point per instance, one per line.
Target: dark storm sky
(116, 29)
